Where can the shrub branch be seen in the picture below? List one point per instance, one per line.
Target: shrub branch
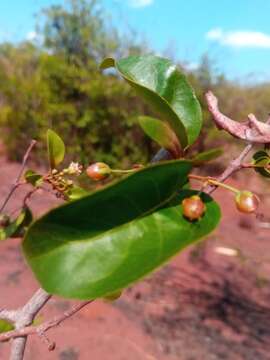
(252, 131)
(17, 182)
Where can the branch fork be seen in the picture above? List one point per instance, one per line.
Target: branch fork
(252, 130)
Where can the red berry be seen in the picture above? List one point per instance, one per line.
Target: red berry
(246, 201)
(98, 171)
(193, 207)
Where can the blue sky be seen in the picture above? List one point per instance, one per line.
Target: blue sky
(235, 33)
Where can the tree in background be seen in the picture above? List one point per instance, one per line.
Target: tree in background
(55, 83)
(58, 85)
(79, 32)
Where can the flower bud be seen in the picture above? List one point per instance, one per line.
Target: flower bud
(74, 169)
(98, 171)
(246, 201)
(193, 207)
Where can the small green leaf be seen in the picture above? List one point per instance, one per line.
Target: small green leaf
(262, 160)
(206, 156)
(56, 149)
(260, 154)
(5, 326)
(161, 132)
(33, 178)
(100, 244)
(27, 220)
(17, 227)
(164, 87)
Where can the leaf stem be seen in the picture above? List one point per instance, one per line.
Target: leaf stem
(212, 181)
(250, 166)
(118, 171)
(17, 181)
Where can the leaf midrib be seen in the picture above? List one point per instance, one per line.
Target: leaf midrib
(112, 230)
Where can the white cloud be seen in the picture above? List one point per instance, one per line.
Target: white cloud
(240, 38)
(140, 3)
(191, 66)
(214, 34)
(31, 36)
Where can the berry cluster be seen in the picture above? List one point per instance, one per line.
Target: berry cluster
(193, 207)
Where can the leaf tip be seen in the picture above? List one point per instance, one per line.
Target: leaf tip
(107, 63)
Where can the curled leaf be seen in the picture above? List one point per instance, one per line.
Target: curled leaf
(262, 160)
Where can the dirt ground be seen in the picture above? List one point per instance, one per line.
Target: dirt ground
(201, 306)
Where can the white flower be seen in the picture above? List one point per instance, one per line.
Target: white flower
(74, 169)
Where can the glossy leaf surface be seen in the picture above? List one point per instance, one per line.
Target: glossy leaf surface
(103, 242)
(56, 149)
(161, 84)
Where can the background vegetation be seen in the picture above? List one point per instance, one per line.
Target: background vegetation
(55, 82)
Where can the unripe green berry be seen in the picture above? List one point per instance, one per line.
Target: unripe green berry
(98, 171)
(246, 201)
(193, 207)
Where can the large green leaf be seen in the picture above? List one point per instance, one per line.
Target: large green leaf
(97, 245)
(165, 88)
(56, 149)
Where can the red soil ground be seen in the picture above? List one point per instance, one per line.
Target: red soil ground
(202, 306)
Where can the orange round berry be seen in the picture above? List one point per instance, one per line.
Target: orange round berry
(193, 207)
(98, 171)
(246, 201)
